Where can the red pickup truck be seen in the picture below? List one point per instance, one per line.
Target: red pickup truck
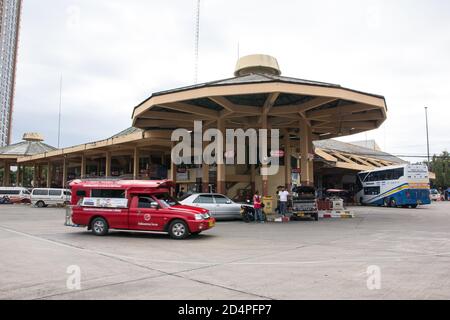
(134, 205)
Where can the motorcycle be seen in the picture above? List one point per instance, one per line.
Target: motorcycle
(248, 212)
(5, 200)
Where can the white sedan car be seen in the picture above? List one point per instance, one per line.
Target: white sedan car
(220, 206)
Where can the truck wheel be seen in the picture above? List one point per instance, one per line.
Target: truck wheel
(40, 204)
(99, 227)
(178, 230)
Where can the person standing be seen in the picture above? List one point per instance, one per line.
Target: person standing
(284, 194)
(257, 205)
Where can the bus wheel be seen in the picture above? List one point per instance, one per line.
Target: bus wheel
(393, 203)
(386, 202)
(414, 206)
(99, 227)
(178, 230)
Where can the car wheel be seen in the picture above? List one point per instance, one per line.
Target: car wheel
(99, 227)
(40, 204)
(393, 203)
(178, 230)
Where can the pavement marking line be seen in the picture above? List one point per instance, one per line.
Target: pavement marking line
(125, 258)
(118, 257)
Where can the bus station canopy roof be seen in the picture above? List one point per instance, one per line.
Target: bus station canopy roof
(329, 109)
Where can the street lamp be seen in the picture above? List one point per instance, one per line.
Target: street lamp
(428, 137)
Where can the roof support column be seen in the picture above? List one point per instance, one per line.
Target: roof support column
(265, 178)
(5, 164)
(173, 170)
(49, 174)
(205, 172)
(64, 173)
(83, 167)
(108, 164)
(253, 178)
(221, 170)
(34, 184)
(136, 158)
(305, 150)
(287, 161)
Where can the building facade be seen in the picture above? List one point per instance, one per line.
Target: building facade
(9, 38)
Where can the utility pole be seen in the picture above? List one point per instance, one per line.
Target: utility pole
(428, 137)
(59, 114)
(197, 39)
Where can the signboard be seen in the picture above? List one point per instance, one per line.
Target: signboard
(105, 202)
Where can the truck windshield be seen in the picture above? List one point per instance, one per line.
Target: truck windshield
(166, 200)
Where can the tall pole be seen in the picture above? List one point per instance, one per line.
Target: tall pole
(59, 114)
(428, 138)
(197, 39)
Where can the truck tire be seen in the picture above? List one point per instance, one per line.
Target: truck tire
(178, 230)
(40, 204)
(99, 226)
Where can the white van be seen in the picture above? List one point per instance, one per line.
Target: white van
(42, 197)
(15, 194)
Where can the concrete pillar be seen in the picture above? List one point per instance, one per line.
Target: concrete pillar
(35, 176)
(253, 178)
(205, 173)
(136, 158)
(49, 174)
(265, 178)
(18, 178)
(221, 170)
(83, 167)
(287, 161)
(108, 164)
(173, 170)
(305, 162)
(64, 173)
(4, 174)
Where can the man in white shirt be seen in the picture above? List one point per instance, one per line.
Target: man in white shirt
(284, 194)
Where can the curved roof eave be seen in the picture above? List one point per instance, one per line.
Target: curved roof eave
(269, 79)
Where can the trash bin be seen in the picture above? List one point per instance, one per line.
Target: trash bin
(268, 205)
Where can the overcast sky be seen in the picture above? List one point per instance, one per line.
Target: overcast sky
(112, 54)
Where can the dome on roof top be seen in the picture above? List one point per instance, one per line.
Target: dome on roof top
(33, 136)
(257, 63)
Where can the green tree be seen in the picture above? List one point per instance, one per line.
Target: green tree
(440, 165)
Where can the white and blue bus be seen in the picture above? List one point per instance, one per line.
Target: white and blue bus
(402, 185)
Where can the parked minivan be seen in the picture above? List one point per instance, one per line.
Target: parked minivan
(42, 197)
(15, 194)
